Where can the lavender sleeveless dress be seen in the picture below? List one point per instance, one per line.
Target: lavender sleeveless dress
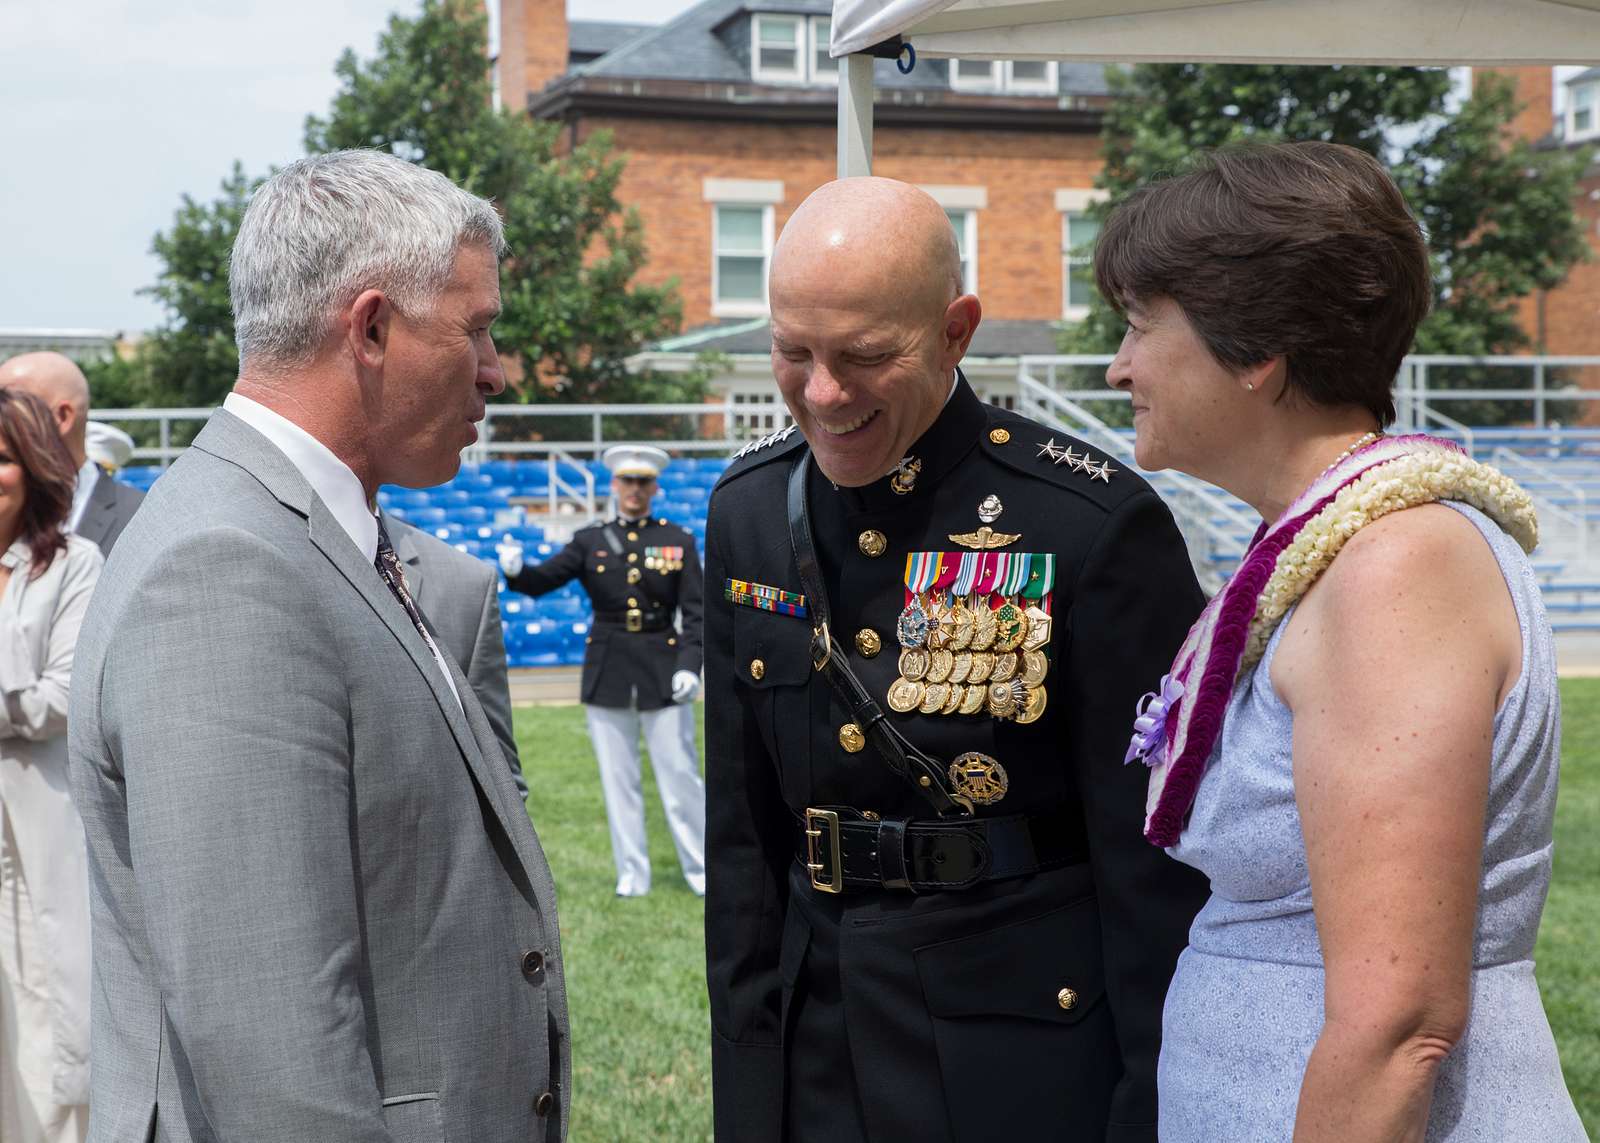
(1245, 1006)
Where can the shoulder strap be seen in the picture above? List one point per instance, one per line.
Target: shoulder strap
(925, 773)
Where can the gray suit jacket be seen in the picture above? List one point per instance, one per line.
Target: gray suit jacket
(459, 596)
(320, 911)
(111, 505)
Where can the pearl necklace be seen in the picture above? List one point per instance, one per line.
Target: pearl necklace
(1361, 442)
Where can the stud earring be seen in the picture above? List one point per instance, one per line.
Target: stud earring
(1250, 385)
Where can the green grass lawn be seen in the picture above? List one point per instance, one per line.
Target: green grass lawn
(636, 968)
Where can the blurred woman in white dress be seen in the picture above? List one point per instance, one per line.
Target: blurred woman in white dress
(46, 578)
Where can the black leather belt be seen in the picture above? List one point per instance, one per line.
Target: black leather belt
(842, 849)
(634, 619)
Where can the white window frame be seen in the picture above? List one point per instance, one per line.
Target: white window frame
(740, 307)
(1050, 85)
(802, 42)
(1071, 201)
(812, 73)
(957, 83)
(1591, 91)
(969, 238)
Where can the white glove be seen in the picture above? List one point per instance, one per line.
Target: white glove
(510, 553)
(685, 686)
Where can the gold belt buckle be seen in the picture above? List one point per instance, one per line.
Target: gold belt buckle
(633, 619)
(833, 882)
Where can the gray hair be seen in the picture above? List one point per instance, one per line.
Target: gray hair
(326, 228)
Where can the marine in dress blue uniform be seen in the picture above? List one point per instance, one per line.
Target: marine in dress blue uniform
(641, 668)
(971, 943)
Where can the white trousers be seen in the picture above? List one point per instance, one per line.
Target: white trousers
(28, 1110)
(669, 732)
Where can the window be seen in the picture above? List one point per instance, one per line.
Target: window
(1583, 111)
(757, 414)
(1079, 229)
(824, 68)
(1016, 77)
(1025, 77)
(965, 223)
(741, 245)
(975, 75)
(778, 47)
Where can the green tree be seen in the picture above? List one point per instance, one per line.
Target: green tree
(573, 311)
(190, 359)
(1498, 214)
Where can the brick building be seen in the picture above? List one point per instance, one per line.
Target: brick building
(1566, 320)
(727, 117)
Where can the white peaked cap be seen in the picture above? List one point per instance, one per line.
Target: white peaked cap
(635, 460)
(107, 445)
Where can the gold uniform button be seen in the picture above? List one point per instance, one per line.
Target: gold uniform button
(598, 568)
(672, 642)
(999, 436)
(872, 542)
(1067, 998)
(758, 669)
(633, 535)
(633, 557)
(635, 575)
(851, 738)
(633, 602)
(868, 642)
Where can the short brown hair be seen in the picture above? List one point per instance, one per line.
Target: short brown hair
(29, 434)
(1304, 251)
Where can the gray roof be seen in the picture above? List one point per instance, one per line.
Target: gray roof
(993, 339)
(694, 46)
(1584, 76)
(592, 38)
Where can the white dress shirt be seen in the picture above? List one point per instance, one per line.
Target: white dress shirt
(87, 475)
(331, 479)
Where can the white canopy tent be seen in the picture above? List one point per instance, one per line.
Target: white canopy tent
(1416, 32)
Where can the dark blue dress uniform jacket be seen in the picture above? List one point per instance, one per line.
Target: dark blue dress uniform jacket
(622, 668)
(889, 1016)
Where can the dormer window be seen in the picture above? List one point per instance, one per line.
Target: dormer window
(791, 49)
(1011, 77)
(1583, 111)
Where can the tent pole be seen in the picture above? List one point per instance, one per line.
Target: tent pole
(855, 115)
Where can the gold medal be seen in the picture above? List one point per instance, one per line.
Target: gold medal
(914, 664)
(975, 698)
(953, 703)
(1034, 667)
(1012, 627)
(944, 628)
(940, 664)
(979, 778)
(934, 699)
(905, 696)
(985, 627)
(1033, 706)
(1039, 624)
(965, 621)
(963, 667)
(982, 667)
(1001, 701)
(1005, 668)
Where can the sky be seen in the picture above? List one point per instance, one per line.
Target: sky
(112, 110)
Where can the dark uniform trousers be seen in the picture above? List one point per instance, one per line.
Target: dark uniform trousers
(1019, 1009)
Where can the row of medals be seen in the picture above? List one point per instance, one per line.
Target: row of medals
(966, 658)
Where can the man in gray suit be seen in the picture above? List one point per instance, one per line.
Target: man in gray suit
(459, 596)
(101, 507)
(319, 909)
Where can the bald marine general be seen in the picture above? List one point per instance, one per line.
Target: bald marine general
(931, 913)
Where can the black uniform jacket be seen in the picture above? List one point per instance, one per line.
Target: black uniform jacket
(940, 1015)
(648, 569)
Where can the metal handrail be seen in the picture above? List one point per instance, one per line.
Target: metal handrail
(1579, 521)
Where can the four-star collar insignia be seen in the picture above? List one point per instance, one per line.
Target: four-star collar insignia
(765, 442)
(1078, 462)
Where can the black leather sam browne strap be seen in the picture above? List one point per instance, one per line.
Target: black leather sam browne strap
(926, 774)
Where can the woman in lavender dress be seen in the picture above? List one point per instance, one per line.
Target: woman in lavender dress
(1359, 745)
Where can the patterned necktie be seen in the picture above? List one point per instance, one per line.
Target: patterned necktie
(388, 565)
